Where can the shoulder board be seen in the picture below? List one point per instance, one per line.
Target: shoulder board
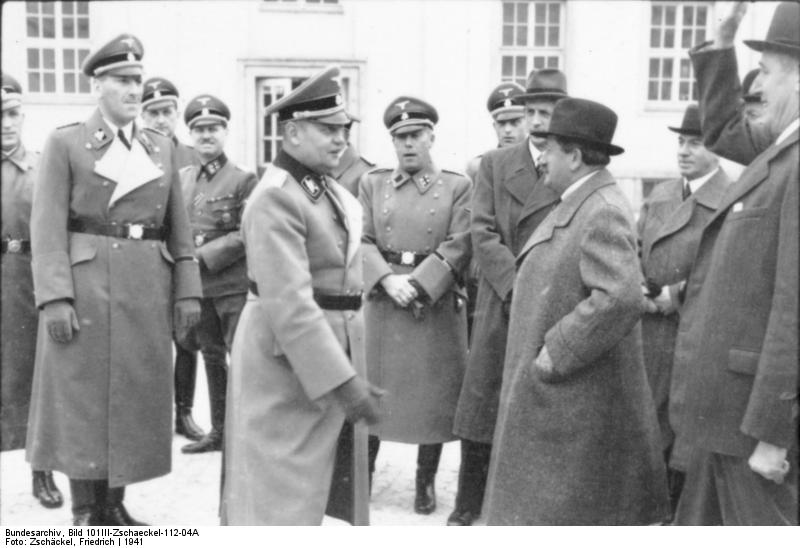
(274, 177)
(370, 164)
(186, 168)
(453, 173)
(68, 125)
(379, 170)
(151, 130)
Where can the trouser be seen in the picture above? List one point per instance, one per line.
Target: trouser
(428, 456)
(472, 475)
(722, 490)
(185, 377)
(675, 481)
(94, 495)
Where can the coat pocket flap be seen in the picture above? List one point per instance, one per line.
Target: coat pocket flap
(165, 253)
(743, 361)
(82, 250)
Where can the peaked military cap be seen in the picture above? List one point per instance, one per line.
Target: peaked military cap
(12, 92)
(747, 85)
(407, 113)
(318, 98)
(158, 90)
(206, 109)
(783, 35)
(545, 85)
(691, 122)
(504, 102)
(123, 52)
(583, 121)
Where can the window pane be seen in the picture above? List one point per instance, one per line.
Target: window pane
(83, 83)
(665, 91)
(554, 13)
(68, 27)
(33, 58)
(552, 62)
(669, 12)
(507, 71)
(666, 68)
(694, 93)
(49, 82)
(48, 8)
(669, 38)
(686, 72)
(553, 38)
(699, 36)
(508, 35)
(701, 16)
(655, 38)
(522, 35)
(538, 62)
(508, 12)
(82, 54)
(33, 27)
(683, 91)
(34, 82)
(686, 38)
(654, 68)
(31, 7)
(688, 16)
(522, 66)
(538, 35)
(541, 13)
(69, 59)
(67, 8)
(522, 13)
(48, 27)
(49, 61)
(655, 19)
(69, 82)
(652, 90)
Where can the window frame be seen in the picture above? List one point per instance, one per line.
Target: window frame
(302, 6)
(530, 52)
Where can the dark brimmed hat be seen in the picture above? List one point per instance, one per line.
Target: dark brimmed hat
(206, 110)
(407, 113)
(158, 90)
(584, 121)
(747, 85)
(783, 35)
(691, 122)
(545, 85)
(504, 103)
(12, 92)
(319, 98)
(123, 52)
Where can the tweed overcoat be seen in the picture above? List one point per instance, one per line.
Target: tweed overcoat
(282, 425)
(418, 361)
(102, 403)
(19, 310)
(669, 229)
(508, 202)
(579, 445)
(740, 321)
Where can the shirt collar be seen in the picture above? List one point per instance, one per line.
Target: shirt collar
(695, 184)
(791, 128)
(535, 152)
(576, 185)
(127, 129)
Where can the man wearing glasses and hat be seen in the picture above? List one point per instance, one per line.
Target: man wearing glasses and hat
(297, 366)
(577, 439)
(509, 200)
(737, 344)
(114, 272)
(19, 308)
(671, 221)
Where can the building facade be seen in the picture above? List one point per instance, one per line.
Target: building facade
(630, 55)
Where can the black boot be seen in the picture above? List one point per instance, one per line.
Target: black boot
(115, 513)
(185, 375)
(45, 489)
(373, 446)
(471, 482)
(217, 375)
(427, 465)
(86, 509)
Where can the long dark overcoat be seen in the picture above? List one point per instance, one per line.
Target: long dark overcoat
(579, 445)
(508, 203)
(102, 403)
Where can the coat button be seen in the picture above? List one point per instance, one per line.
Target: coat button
(428, 248)
(435, 195)
(88, 146)
(161, 184)
(430, 230)
(115, 245)
(433, 212)
(113, 223)
(105, 183)
(385, 196)
(385, 211)
(158, 206)
(388, 229)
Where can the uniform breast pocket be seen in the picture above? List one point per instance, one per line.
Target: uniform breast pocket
(753, 213)
(743, 361)
(225, 211)
(82, 249)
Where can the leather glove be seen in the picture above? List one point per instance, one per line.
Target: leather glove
(187, 315)
(60, 320)
(359, 399)
(769, 461)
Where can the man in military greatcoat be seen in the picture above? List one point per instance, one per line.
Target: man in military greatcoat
(160, 112)
(19, 308)
(509, 200)
(416, 252)
(215, 191)
(671, 221)
(352, 165)
(297, 366)
(114, 272)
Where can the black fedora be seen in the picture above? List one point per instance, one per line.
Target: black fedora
(691, 122)
(783, 35)
(747, 85)
(584, 121)
(545, 85)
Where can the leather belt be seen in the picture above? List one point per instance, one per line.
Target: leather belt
(131, 231)
(201, 238)
(326, 301)
(16, 246)
(404, 258)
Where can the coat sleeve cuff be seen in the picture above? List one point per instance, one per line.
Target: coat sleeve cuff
(220, 253)
(52, 278)
(565, 360)
(186, 280)
(435, 276)
(375, 267)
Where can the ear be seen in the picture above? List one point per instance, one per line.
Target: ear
(433, 137)
(290, 133)
(575, 159)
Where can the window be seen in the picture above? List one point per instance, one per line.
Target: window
(531, 38)
(674, 29)
(57, 43)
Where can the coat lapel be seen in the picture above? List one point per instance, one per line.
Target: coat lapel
(354, 213)
(523, 173)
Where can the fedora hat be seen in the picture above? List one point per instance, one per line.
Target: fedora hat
(691, 122)
(545, 85)
(584, 121)
(783, 35)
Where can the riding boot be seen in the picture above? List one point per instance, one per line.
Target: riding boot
(471, 482)
(427, 465)
(115, 512)
(86, 509)
(185, 375)
(45, 489)
(217, 375)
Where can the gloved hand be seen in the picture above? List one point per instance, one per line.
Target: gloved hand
(60, 320)
(769, 461)
(186, 316)
(359, 399)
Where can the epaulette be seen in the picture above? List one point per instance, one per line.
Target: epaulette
(453, 173)
(185, 168)
(68, 125)
(370, 164)
(379, 169)
(157, 132)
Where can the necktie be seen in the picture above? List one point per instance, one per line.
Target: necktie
(124, 139)
(538, 166)
(687, 190)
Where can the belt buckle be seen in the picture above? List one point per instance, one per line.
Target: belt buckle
(199, 239)
(135, 231)
(407, 258)
(14, 246)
